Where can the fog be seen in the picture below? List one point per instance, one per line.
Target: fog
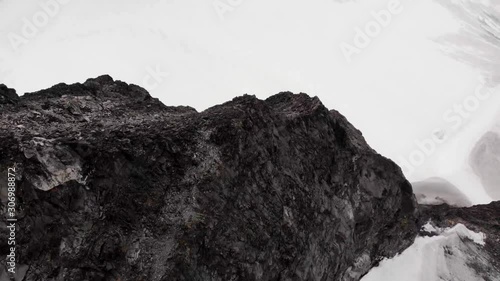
(417, 87)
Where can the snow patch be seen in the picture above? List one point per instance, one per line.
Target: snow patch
(428, 227)
(443, 257)
(462, 231)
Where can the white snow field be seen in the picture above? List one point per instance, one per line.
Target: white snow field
(418, 99)
(449, 256)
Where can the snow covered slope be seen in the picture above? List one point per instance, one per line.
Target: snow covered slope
(436, 191)
(451, 254)
(455, 244)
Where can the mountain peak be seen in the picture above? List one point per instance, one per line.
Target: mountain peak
(282, 188)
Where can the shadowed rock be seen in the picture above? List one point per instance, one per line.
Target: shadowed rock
(7, 95)
(114, 185)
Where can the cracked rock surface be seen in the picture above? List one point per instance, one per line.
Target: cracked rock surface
(114, 185)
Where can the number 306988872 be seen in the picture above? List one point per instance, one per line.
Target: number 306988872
(11, 195)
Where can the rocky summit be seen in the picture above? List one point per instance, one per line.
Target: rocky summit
(114, 185)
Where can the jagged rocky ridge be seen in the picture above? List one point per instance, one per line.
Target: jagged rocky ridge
(114, 185)
(482, 261)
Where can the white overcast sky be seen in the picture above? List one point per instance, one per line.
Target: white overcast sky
(396, 90)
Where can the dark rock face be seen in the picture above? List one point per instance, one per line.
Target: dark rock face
(485, 260)
(113, 185)
(485, 161)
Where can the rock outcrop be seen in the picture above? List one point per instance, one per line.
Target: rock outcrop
(7, 95)
(114, 185)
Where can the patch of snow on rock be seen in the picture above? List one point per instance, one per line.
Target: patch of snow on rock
(446, 256)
